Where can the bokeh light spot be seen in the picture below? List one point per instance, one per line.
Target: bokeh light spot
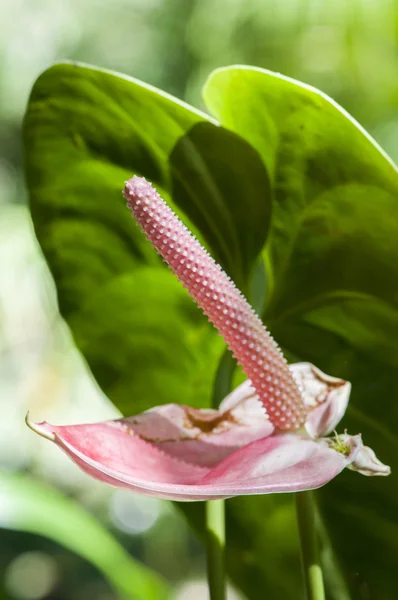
(133, 514)
(31, 576)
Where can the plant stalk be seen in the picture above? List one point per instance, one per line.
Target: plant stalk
(313, 579)
(215, 544)
(215, 509)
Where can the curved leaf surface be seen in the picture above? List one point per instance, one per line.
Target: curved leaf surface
(334, 190)
(146, 342)
(332, 257)
(85, 132)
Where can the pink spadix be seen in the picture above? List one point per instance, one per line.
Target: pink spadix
(222, 302)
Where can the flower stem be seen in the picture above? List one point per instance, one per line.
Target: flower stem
(215, 538)
(312, 571)
(215, 509)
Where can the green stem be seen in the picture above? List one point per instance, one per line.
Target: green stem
(215, 509)
(215, 538)
(312, 571)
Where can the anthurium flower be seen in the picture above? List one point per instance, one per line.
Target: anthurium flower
(269, 435)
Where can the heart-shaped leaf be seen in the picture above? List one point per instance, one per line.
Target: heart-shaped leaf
(85, 132)
(332, 257)
(334, 189)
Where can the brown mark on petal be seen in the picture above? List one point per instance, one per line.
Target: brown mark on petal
(314, 385)
(195, 424)
(331, 384)
(126, 428)
(207, 423)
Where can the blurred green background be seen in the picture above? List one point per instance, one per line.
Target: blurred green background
(347, 48)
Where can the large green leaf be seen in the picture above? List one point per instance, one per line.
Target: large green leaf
(27, 505)
(145, 341)
(334, 190)
(87, 130)
(330, 262)
(332, 258)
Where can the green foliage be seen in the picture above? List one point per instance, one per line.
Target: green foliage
(86, 131)
(220, 182)
(146, 342)
(330, 259)
(333, 189)
(36, 508)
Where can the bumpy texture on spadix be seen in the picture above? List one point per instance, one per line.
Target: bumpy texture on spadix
(224, 305)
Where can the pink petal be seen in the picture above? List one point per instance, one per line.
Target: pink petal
(280, 463)
(367, 463)
(326, 396)
(112, 452)
(204, 437)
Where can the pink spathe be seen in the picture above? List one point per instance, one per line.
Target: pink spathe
(181, 453)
